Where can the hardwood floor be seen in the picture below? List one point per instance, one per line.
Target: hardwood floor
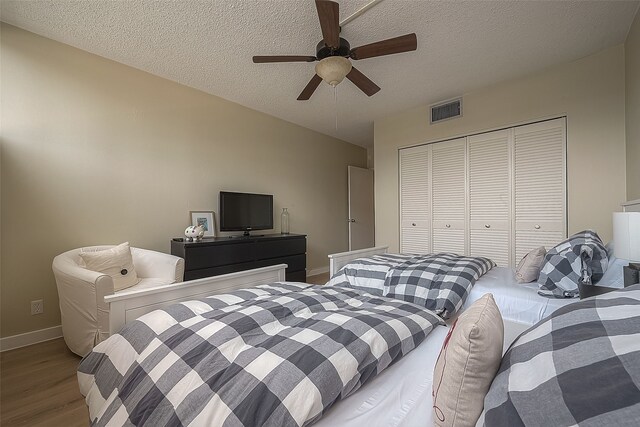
(38, 385)
(320, 279)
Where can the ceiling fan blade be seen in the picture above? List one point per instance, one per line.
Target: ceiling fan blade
(310, 88)
(283, 58)
(329, 14)
(400, 44)
(362, 81)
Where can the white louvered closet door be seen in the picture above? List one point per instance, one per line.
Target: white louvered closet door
(490, 196)
(448, 181)
(415, 220)
(540, 200)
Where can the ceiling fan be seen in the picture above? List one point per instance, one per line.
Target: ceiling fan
(334, 53)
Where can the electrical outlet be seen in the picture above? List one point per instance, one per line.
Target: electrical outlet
(37, 307)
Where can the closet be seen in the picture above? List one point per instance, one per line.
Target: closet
(496, 194)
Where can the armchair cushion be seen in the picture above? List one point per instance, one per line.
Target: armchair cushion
(116, 262)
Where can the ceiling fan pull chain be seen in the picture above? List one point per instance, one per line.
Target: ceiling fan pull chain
(335, 101)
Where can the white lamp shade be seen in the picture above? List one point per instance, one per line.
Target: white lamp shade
(626, 235)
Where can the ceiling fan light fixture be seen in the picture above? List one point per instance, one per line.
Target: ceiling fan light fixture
(333, 69)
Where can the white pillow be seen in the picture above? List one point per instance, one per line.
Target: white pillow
(115, 262)
(530, 265)
(468, 361)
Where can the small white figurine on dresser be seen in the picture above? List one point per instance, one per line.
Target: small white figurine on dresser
(194, 233)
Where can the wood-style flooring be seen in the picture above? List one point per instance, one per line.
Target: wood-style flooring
(38, 385)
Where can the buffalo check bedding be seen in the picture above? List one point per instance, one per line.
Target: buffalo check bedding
(273, 355)
(580, 258)
(440, 282)
(368, 274)
(578, 367)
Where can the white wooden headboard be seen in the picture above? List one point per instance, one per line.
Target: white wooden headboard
(631, 206)
(127, 306)
(339, 260)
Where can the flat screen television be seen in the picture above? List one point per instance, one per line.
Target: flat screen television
(245, 212)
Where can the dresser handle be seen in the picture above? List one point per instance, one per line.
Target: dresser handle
(537, 227)
(448, 225)
(487, 226)
(414, 224)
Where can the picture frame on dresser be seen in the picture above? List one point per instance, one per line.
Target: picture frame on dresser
(206, 219)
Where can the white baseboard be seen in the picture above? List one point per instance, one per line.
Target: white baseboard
(29, 338)
(316, 271)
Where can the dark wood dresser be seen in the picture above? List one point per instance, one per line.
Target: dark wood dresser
(221, 255)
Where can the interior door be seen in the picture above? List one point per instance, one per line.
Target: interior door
(361, 216)
(540, 185)
(490, 196)
(448, 196)
(415, 200)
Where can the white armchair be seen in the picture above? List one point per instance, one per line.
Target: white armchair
(85, 315)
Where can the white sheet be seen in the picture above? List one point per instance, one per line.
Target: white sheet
(518, 302)
(401, 395)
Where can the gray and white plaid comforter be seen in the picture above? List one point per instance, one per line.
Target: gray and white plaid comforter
(440, 282)
(579, 366)
(369, 273)
(274, 355)
(581, 258)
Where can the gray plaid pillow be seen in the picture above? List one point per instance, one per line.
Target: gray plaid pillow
(440, 282)
(581, 258)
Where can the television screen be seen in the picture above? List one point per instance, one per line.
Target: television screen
(245, 211)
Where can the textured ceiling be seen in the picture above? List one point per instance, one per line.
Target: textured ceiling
(208, 45)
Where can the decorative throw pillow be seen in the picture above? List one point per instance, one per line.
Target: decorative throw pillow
(529, 267)
(467, 363)
(115, 262)
(582, 258)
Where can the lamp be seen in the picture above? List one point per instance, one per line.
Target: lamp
(626, 235)
(333, 69)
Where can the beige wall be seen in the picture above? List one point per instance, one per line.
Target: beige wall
(95, 152)
(590, 92)
(632, 75)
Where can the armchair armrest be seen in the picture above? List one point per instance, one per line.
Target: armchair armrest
(81, 292)
(157, 265)
(73, 271)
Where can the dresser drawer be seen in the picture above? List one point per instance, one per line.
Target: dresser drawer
(294, 262)
(297, 276)
(280, 248)
(219, 255)
(216, 271)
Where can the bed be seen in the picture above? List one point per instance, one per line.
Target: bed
(147, 364)
(279, 353)
(579, 366)
(519, 303)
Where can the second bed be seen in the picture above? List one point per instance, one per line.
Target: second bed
(518, 302)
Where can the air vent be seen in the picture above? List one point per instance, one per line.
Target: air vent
(446, 111)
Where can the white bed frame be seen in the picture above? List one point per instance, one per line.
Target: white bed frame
(339, 260)
(631, 206)
(127, 306)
